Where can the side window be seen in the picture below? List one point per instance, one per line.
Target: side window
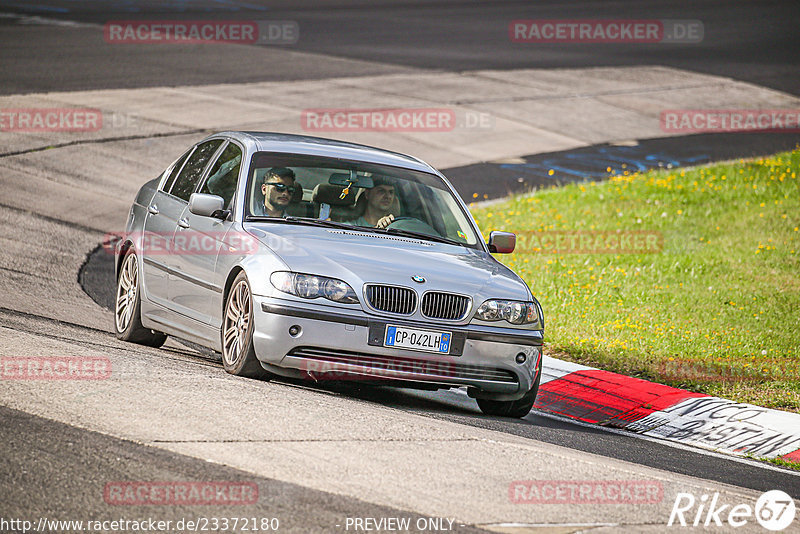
(174, 172)
(187, 179)
(224, 174)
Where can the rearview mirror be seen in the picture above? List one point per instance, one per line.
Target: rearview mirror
(502, 242)
(207, 205)
(352, 179)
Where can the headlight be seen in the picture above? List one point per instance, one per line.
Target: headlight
(336, 290)
(309, 286)
(513, 311)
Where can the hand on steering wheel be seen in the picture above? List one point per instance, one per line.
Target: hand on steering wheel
(412, 224)
(383, 222)
(395, 219)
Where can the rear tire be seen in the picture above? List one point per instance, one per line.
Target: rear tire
(128, 306)
(518, 408)
(238, 354)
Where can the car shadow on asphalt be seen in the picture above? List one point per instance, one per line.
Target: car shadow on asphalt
(395, 397)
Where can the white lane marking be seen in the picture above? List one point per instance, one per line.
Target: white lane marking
(662, 441)
(553, 369)
(498, 526)
(721, 424)
(668, 443)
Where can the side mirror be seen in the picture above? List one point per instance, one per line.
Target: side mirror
(207, 205)
(502, 242)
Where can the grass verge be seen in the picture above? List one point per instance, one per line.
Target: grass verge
(709, 298)
(780, 462)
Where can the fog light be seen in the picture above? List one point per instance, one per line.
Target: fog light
(521, 357)
(295, 330)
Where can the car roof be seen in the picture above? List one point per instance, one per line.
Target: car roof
(320, 146)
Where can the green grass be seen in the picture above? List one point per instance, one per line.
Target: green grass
(783, 463)
(717, 310)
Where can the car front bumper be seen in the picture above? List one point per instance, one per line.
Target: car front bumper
(310, 340)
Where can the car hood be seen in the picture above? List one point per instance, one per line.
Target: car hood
(365, 257)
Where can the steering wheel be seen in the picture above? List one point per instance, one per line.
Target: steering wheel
(412, 224)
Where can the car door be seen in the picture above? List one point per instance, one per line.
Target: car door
(199, 241)
(159, 226)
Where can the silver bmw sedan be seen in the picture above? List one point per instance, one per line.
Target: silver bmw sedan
(318, 259)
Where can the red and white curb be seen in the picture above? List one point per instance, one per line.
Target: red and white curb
(609, 399)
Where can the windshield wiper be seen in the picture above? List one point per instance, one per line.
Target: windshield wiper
(345, 226)
(421, 235)
(320, 222)
(301, 220)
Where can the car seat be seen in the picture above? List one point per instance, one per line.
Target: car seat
(327, 198)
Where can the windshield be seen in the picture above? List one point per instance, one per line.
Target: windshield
(362, 195)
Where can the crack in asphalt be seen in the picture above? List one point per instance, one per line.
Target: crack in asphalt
(102, 140)
(76, 226)
(51, 320)
(17, 271)
(80, 342)
(197, 359)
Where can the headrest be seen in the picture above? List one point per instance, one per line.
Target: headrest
(329, 194)
(297, 196)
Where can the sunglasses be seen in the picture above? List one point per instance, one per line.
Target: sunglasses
(282, 187)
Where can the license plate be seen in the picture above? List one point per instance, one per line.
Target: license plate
(411, 338)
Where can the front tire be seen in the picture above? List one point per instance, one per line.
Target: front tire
(517, 409)
(128, 306)
(238, 354)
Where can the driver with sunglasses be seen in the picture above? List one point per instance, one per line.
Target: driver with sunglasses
(278, 188)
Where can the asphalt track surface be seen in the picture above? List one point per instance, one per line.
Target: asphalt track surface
(51, 469)
(97, 279)
(64, 471)
(754, 42)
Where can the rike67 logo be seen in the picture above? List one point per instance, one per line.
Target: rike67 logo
(774, 510)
